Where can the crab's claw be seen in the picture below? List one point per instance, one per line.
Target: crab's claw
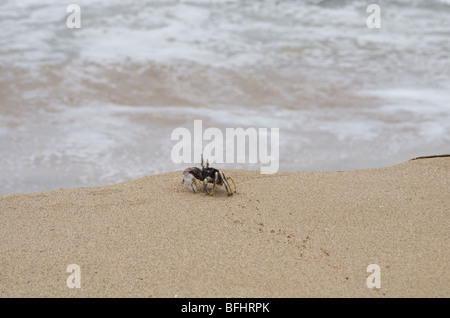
(190, 181)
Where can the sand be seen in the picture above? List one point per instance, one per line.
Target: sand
(299, 234)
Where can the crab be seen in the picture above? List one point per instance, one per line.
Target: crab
(207, 174)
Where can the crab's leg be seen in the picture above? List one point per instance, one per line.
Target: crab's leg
(226, 187)
(214, 183)
(205, 185)
(234, 184)
(194, 186)
(226, 184)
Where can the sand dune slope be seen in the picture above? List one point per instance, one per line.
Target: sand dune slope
(296, 234)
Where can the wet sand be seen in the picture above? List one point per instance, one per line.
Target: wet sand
(299, 234)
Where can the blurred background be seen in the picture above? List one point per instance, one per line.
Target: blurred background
(97, 105)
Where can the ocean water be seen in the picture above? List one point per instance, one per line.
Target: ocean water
(97, 105)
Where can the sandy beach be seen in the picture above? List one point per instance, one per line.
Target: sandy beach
(102, 104)
(299, 234)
